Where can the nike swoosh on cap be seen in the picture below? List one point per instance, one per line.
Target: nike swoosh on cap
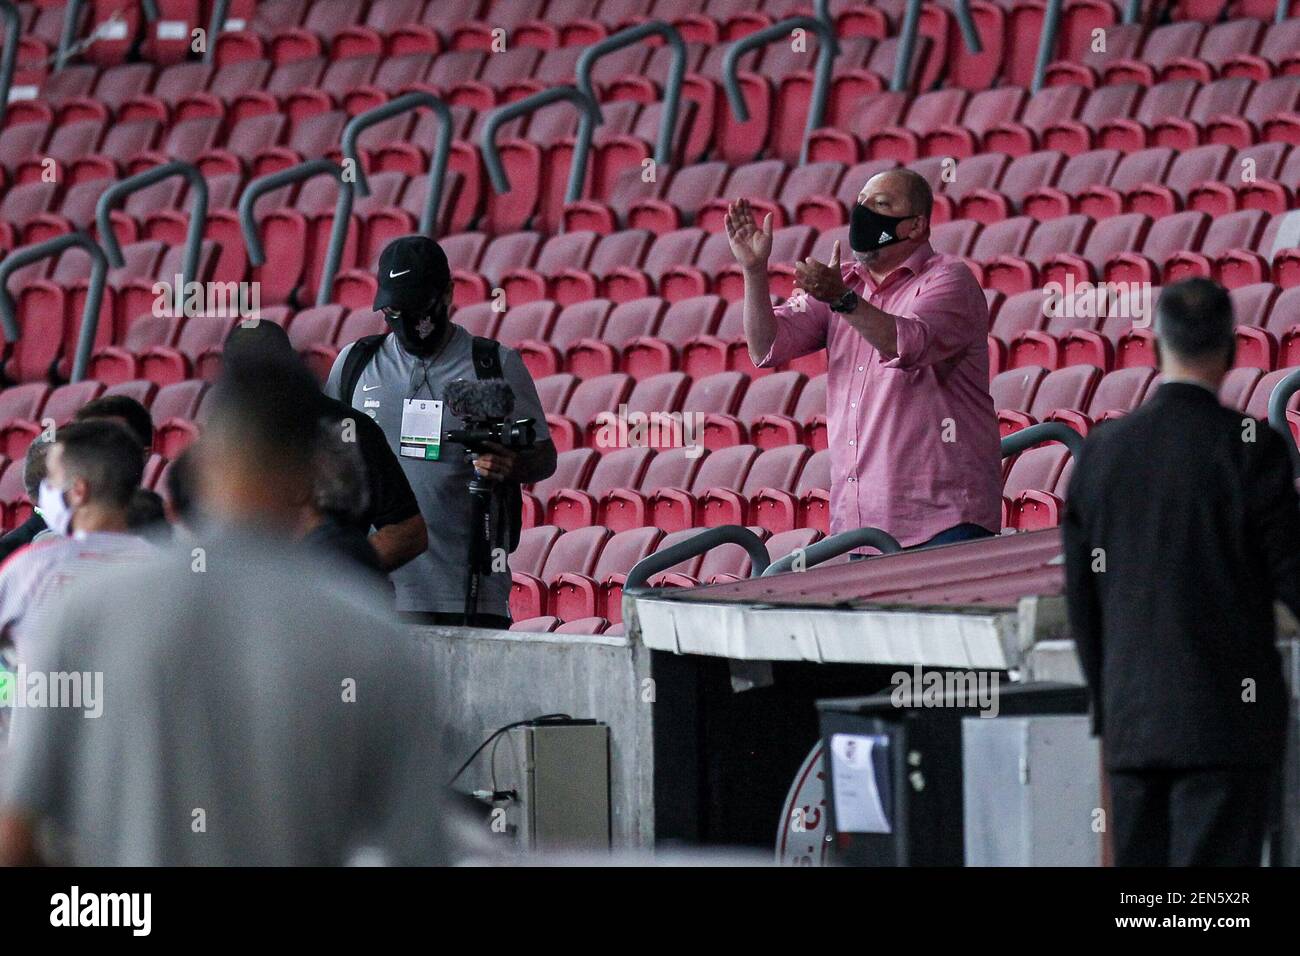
(394, 275)
(369, 388)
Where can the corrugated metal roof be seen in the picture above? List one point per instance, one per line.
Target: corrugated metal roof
(993, 572)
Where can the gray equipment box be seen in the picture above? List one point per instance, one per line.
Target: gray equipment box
(561, 774)
(1032, 791)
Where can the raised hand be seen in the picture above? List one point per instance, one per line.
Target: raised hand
(751, 245)
(821, 281)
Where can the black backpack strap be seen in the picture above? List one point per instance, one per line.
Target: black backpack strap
(359, 356)
(487, 358)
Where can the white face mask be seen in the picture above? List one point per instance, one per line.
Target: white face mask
(54, 508)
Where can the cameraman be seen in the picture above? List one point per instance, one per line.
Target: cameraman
(389, 378)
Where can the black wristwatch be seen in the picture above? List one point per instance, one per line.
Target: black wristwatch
(845, 303)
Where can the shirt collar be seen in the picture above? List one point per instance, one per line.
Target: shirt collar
(913, 264)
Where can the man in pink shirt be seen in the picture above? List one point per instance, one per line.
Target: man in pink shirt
(912, 431)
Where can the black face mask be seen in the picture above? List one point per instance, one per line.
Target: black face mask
(870, 230)
(409, 326)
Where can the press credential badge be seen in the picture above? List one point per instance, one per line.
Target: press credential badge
(421, 429)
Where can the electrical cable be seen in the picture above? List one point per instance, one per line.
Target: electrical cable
(501, 730)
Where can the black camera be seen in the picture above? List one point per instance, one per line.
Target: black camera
(485, 407)
(516, 435)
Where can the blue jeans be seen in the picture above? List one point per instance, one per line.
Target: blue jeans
(960, 532)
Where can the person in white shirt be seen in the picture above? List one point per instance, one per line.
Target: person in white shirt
(93, 469)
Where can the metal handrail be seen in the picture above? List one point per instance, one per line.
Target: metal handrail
(588, 119)
(216, 24)
(338, 233)
(118, 192)
(9, 57)
(48, 249)
(1283, 11)
(1046, 43)
(67, 35)
(966, 22)
(1018, 441)
(437, 163)
(907, 35)
(1277, 402)
(1132, 11)
(706, 540)
(827, 48)
(835, 545)
(672, 89)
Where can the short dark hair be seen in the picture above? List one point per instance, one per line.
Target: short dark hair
(34, 466)
(1194, 319)
(271, 404)
(146, 515)
(134, 415)
(340, 489)
(257, 337)
(106, 456)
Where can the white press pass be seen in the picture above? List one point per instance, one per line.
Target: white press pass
(421, 429)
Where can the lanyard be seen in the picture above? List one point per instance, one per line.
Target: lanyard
(420, 378)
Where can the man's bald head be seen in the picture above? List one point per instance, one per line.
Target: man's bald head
(903, 195)
(909, 190)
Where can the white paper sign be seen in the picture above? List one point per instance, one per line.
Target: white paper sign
(858, 808)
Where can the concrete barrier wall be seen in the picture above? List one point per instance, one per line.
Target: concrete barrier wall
(492, 678)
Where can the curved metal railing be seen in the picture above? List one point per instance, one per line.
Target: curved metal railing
(1017, 442)
(215, 25)
(706, 540)
(9, 56)
(588, 119)
(672, 89)
(338, 232)
(834, 546)
(1277, 402)
(48, 249)
(118, 192)
(826, 50)
(437, 162)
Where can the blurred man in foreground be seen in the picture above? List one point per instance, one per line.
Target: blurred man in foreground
(391, 510)
(1181, 529)
(260, 707)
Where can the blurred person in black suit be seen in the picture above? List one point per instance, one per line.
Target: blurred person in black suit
(1181, 530)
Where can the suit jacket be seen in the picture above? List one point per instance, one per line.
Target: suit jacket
(1181, 529)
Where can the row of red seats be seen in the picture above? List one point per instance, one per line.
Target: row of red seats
(579, 573)
(1268, 331)
(1070, 119)
(1081, 395)
(176, 409)
(1249, 47)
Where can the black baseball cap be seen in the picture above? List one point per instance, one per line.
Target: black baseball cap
(413, 272)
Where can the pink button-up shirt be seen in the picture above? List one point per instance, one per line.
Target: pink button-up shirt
(913, 439)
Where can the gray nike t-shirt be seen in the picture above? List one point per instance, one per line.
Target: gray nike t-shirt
(435, 581)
